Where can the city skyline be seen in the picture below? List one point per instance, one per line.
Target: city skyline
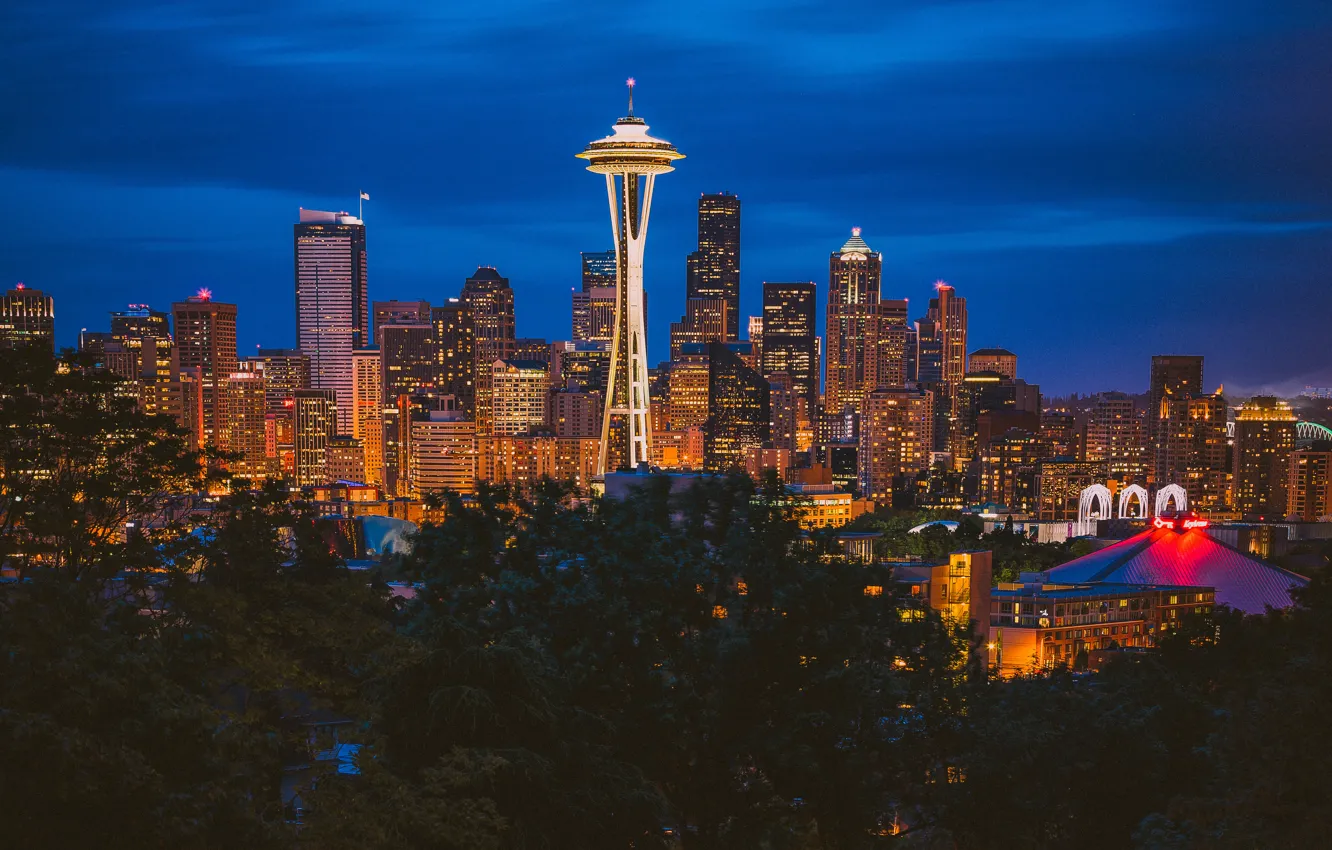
(1083, 181)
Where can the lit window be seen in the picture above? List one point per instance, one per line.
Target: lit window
(874, 590)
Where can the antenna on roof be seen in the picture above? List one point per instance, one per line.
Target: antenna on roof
(630, 83)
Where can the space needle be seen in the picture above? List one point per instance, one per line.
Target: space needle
(635, 158)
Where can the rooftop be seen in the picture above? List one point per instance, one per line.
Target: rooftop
(1190, 558)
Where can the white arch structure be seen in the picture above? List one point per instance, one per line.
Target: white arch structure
(1312, 431)
(1126, 505)
(1170, 492)
(1098, 496)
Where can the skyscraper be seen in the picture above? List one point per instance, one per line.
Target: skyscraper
(455, 353)
(1175, 375)
(854, 273)
(594, 314)
(243, 424)
(890, 345)
(489, 299)
(789, 328)
(1264, 442)
(397, 313)
(895, 440)
(285, 371)
(948, 312)
(739, 408)
(443, 453)
(598, 270)
(520, 396)
(146, 334)
(705, 320)
(1115, 435)
(407, 369)
(206, 341)
(332, 306)
(27, 317)
(635, 158)
(1309, 484)
(713, 271)
(367, 411)
(316, 425)
(999, 360)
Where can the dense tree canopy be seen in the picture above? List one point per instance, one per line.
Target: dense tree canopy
(661, 671)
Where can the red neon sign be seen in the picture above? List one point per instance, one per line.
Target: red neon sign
(1182, 523)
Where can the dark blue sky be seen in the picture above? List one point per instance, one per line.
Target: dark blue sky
(1102, 180)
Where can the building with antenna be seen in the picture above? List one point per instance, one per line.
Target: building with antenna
(332, 307)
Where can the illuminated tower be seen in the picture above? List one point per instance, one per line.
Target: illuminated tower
(636, 158)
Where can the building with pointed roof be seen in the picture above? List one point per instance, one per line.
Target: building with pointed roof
(1179, 551)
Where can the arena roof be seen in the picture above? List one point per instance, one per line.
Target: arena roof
(1167, 556)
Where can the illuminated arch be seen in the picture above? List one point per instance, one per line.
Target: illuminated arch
(1126, 497)
(1096, 496)
(1311, 431)
(1168, 493)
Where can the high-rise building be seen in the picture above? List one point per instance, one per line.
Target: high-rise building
(594, 314)
(948, 312)
(147, 333)
(489, 299)
(890, 345)
(705, 320)
(585, 363)
(635, 158)
(520, 388)
(1060, 432)
(713, 271)
(286, 370)
(206, 340)
(854, 273)
(756, 336)
(925, 360)
(332, 304)
(316, 425)
(788, 331)
(139, 320)
(599, 268)
(1309, 484)
(243, 414)
(1009, 466)
(1264, 442)
(1115, 436)
(1175, 375)
(444, 453)
(895, 441)
(688, 405)
(739, 408)
(398, 313)
(999, 360)
(407, 369)
(455, 352)
(368, 411)
(1174, 436)
(27, 317)
(783, 406)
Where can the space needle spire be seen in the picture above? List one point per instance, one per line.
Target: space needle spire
(631, 161)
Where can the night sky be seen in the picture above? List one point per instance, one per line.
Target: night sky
(1102, 180)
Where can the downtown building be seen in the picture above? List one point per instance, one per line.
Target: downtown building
(27, 318)
(896, 440)
(489, 300)
(713, 271)
(206, 348)
(787, 339)
(1264, 444)
(332, 305)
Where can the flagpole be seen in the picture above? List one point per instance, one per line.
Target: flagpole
(360, 204)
